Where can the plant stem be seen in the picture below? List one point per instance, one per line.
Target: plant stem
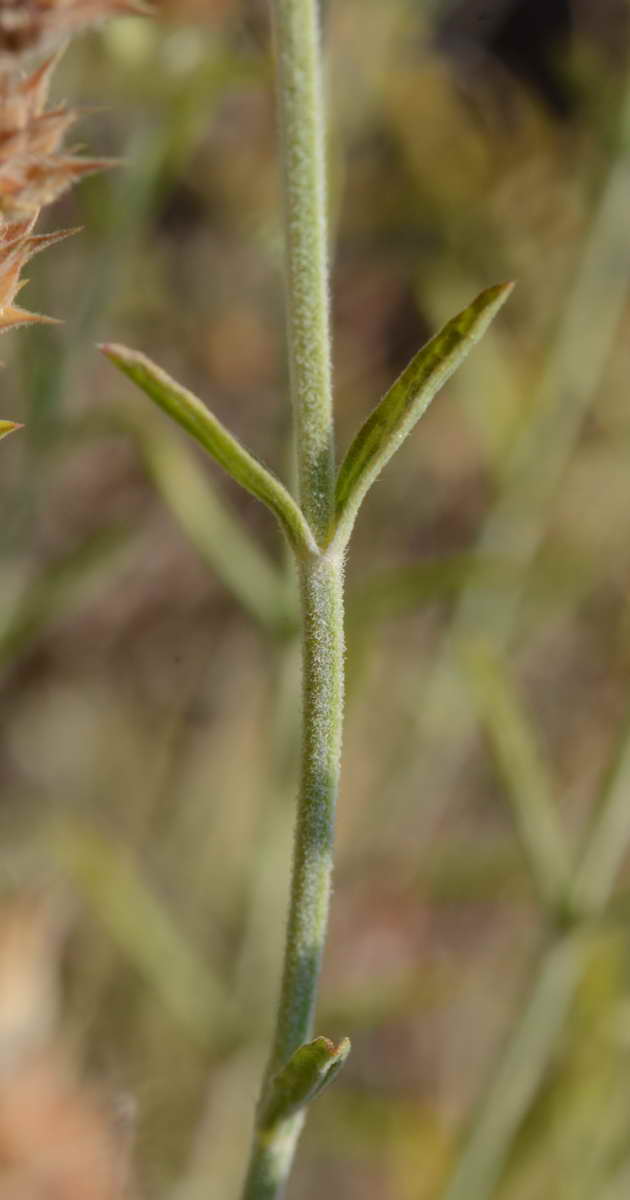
(322, 599)
(321, 572)
(302, 133)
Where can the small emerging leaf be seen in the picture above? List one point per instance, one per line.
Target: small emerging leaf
(7, 427)
(196, 419)
(310, 1069)
(406, 401)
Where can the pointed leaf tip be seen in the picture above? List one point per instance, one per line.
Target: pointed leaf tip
(7, 427)
(117, 354)
(407, 400)
(192, 415)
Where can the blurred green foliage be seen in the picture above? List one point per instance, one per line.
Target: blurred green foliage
(150, 698)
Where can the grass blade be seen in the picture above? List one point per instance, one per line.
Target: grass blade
(406, 401)
(225, 545)
(609, 837)
(529, 788)
(106, 874)
(195, 418)
(519, 1072)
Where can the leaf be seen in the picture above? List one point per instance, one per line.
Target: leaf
(58, 588)
(109, 877)
(311, 1068)
(607, 839)
(406, 401)
(196, 419)
(521, 1069)
(529, 786)
(7, 427)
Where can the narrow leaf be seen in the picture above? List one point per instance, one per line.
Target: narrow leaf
(520, 1071)
(60, 587)
(195, 418)
(608, 838)
(7, 427)
(309, 1070)
(406, 401)
(529, 786)
(108, 876)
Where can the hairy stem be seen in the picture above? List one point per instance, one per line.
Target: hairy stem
(322, 599)
(321, 573)
(302, 134)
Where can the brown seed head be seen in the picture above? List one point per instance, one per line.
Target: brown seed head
(34, 168)
(28, 26)
(17, 245)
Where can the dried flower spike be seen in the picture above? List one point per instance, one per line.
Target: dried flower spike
(33, 172)
(34, 26)
(17, 245)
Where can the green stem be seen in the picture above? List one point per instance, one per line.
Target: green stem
(322, 600)
(321, 572)
(302, 134)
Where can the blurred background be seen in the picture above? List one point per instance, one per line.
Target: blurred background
(149, 665)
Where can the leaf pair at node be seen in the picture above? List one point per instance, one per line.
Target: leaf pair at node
(375, 443)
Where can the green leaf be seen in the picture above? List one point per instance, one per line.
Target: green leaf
(195, 418)
(608, 837)
(7, 427)
(108, 876)
(59, 587)
(529, 785)
(520, 1071)
(310, 1069)
(406, 401)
